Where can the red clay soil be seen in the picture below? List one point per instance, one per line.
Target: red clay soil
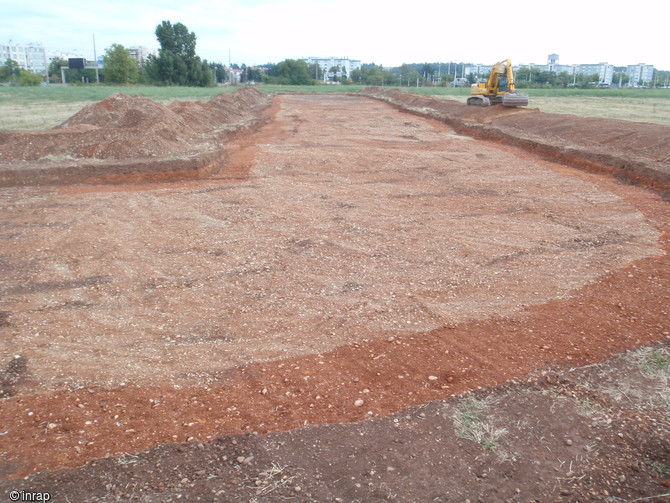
(348, 261)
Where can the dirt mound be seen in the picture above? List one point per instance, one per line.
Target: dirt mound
(221, 111)
(85, 141)
(124, 127)
(127, 112)
(634, 151)
(181, 118)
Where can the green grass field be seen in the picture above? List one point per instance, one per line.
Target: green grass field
(44, 107)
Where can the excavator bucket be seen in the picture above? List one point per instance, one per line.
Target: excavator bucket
(515, 100)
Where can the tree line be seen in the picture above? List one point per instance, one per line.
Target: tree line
(178, 64)
(450, 74)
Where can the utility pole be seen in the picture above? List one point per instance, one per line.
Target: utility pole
(95, 57)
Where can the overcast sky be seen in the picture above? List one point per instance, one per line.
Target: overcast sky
(386, 33)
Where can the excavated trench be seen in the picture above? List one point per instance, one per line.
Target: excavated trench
(632, 152)
(339, 249)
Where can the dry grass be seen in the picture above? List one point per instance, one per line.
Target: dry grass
(41, 114)
(37, 115)
(633, 109)
(655, 365)
(472, 423)
(272, 479)
(46, 108)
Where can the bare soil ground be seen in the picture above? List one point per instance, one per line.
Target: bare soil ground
(341, 261)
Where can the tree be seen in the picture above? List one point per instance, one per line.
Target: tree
(253, 75)
(120, 67)
(334, 70)
(374, 75)
(563, 79)
(290, 71)
(406, 72)
(54, 69)
(295, 72)
(9, 70)
(316, 72)
(620, 77)
(176, 39)
(27, 78)
(177, 62)
(220, 73)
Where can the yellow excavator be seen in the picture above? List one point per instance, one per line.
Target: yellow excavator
(498, 88)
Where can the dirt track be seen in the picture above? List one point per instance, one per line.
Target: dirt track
(346, 250)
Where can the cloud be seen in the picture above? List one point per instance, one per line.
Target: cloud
(260, 31)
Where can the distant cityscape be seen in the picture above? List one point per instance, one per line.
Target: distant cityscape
(640, 75)
(35, 58)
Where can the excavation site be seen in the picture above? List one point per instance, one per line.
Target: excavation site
(364, 297)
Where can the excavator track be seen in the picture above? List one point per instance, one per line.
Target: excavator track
(479, 101)
(515, 100)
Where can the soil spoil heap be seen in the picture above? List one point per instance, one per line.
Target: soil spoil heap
(130, 137)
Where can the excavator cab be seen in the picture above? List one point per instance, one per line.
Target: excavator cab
(498, 88)
(502, 84)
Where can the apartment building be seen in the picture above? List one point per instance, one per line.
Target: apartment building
(31, 57)
(345, 65)
(476, 69)
(141, 54)
(554, 65)
(604, 71)
(640, 74)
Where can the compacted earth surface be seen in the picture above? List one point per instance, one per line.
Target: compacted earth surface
(347, 298)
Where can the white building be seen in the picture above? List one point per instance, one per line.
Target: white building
(141, 54)
(345, 65)
(640, 75)
(31, 57)
(604, 71)
(476, 69)
(235, 75)
(64, 55)
(553, 65)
